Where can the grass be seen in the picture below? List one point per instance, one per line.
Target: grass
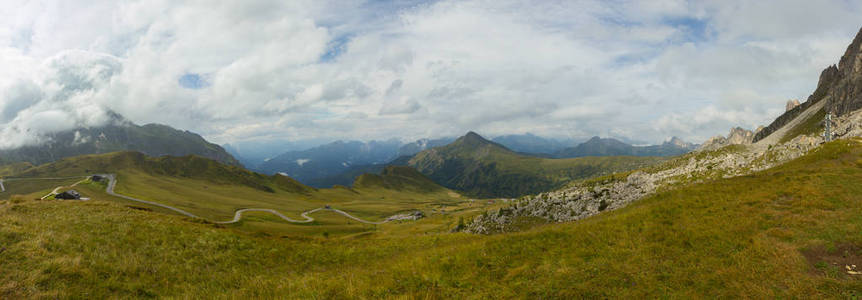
(9, 169)
(215, 192)
(38, 187)
(811, 126)
(766, 235)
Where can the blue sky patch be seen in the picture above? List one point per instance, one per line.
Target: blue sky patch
(335, 48)
(695, 30)
(193, 81)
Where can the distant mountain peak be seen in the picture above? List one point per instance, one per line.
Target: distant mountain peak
(474, 140)
(473, 135)
(600, 140)
(676, 141)
(850, 60)
(119, 134)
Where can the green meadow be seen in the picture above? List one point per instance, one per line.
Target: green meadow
(787, 232)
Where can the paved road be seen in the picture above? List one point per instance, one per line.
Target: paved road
(112, 182)
(355, 218)
(2, 187)
(238, 215)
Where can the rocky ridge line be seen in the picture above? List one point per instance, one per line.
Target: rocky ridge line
(587, 198)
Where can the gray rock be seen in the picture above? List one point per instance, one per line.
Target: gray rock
(790, 105)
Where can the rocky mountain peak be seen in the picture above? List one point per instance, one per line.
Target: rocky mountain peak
(472, 138)
(678, 142)
(737, 136)
(791, 104)
(845, 95)
(851, 61)
(840, 85)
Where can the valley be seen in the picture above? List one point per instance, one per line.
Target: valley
(317, 150)
(745, 230)
(151, 184)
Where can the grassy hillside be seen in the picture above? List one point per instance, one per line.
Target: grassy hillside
(6, 170)
(787, 232)
(214, 191)
(486, 169)
(397, 178)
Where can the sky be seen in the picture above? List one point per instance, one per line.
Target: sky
(264, 70)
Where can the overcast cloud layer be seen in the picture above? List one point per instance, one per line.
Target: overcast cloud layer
(296, 69)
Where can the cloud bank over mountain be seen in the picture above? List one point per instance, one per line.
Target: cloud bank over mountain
(371, 70)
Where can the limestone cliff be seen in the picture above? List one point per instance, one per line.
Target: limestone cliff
(737, 136)
(841, 85)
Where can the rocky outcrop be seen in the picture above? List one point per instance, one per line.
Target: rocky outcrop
(679, 143)
(791, 104)
(845, 95)
(841, 85)
(827, 79)
(586, 199)
(737, 136)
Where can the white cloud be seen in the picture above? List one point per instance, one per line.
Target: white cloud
(369, 70)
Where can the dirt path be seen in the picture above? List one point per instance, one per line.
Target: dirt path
(57, 189)
(8, 179)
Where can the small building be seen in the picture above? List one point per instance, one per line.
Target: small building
(68, 195)
(97, 178)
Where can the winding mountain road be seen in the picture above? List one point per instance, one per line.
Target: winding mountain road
(112, 182)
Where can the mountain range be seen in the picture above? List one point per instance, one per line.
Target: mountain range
(597, 146)
(118, 135)
(533, 144)
(331, 159)
(482, 168)
(252, 153)
(339, 163)
(768, 213)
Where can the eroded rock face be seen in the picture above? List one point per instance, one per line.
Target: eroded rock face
(791, 104)
(737, 136)
(845, 95)
(841, 85)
